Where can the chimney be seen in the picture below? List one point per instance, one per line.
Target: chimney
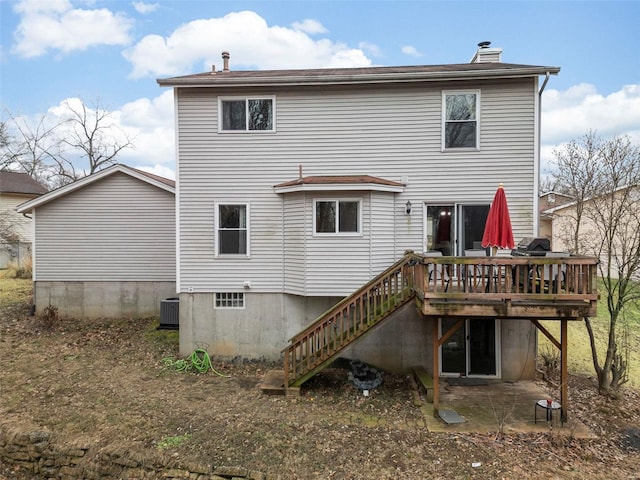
(486, 54)
(225, 61)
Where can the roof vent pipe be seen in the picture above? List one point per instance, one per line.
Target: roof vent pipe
(484, 44)
(225, 61)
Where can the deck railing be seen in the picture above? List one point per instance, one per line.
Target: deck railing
(533, 278)
(317, 346)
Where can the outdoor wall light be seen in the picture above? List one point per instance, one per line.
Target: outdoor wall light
(408, 207)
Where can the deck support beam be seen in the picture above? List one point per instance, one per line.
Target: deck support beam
(437, 343)
(436, 369)
(564, 370)
(564, 374)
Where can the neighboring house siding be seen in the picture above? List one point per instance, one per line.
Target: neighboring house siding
(20, 223)
(392, 132)
(116, 229)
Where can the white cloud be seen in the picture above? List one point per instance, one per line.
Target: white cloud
(569, 114)
(55, 25)
(144, 8)
(411, 51)
(370, 48)
(309, 26)
(250, 40)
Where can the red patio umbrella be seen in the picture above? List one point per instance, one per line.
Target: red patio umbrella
(497, 229)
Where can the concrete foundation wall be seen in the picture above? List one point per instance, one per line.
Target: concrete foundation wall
(262, 329)
(259, 331)
(103, 299)
(519, 350)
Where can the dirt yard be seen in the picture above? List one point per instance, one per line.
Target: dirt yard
(104, 382)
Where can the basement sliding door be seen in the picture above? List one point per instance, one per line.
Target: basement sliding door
(473, 350)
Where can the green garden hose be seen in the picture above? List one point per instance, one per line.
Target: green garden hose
(199, 361)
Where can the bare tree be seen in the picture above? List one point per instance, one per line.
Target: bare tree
(94, 135)
(58, 150)
(604, 177)
(33, 147)
(575, 169)
(5, 139)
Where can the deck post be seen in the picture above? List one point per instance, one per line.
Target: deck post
(564, 377)
(436, 369)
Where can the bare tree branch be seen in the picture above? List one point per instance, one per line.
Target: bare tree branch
(95, 135)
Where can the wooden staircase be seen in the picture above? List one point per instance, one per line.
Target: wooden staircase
(317, 346)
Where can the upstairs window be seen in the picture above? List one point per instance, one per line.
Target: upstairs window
(247, 114)
(232, 230)
(337, 217)
(460, 120)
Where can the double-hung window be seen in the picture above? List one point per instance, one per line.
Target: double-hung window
(337, 217)
(460, 124)
(232, 229)
(240, 114)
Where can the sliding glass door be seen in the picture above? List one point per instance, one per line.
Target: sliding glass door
(472, 350)
(452, 229)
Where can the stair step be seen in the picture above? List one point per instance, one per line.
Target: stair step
(273, 384)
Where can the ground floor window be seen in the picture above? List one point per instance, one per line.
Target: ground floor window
(229, 300)
(341, 217)
(232, 229)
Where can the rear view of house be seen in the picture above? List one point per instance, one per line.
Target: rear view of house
(296, 187)
(104, 246)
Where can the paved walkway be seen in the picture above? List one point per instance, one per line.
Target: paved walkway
(499, 407)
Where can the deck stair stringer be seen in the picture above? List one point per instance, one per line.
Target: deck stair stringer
(320, 344)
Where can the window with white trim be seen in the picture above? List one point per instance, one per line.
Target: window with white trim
(337, 217)
(229, 300)
(232, 229)
(241, 114)
(460, 126)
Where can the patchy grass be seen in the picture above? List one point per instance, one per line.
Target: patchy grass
(580, 360)
(103, 381)
(15, 293)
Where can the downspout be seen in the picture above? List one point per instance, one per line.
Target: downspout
(536, 196)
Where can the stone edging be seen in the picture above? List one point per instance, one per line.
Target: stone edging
(37, 452)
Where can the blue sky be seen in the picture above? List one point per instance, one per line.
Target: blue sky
(112, 51)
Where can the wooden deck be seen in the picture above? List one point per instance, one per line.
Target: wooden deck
(559, 288)
(506, 287)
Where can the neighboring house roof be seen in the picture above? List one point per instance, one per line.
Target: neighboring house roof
(574, 202)
(155, 180)
(559, 199)
(23, 183)
(416, 73)
(333, 183)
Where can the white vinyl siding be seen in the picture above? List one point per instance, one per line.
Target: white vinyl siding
(294, 244)
(116, 229)
(392, 132)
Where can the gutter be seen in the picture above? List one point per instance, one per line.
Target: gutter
(536, 196)
(219, 80)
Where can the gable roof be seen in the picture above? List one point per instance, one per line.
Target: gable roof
(155, 180)
(342, 183)
(17, 182)
(324, 76)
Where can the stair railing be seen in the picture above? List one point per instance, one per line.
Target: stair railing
(317, 346)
